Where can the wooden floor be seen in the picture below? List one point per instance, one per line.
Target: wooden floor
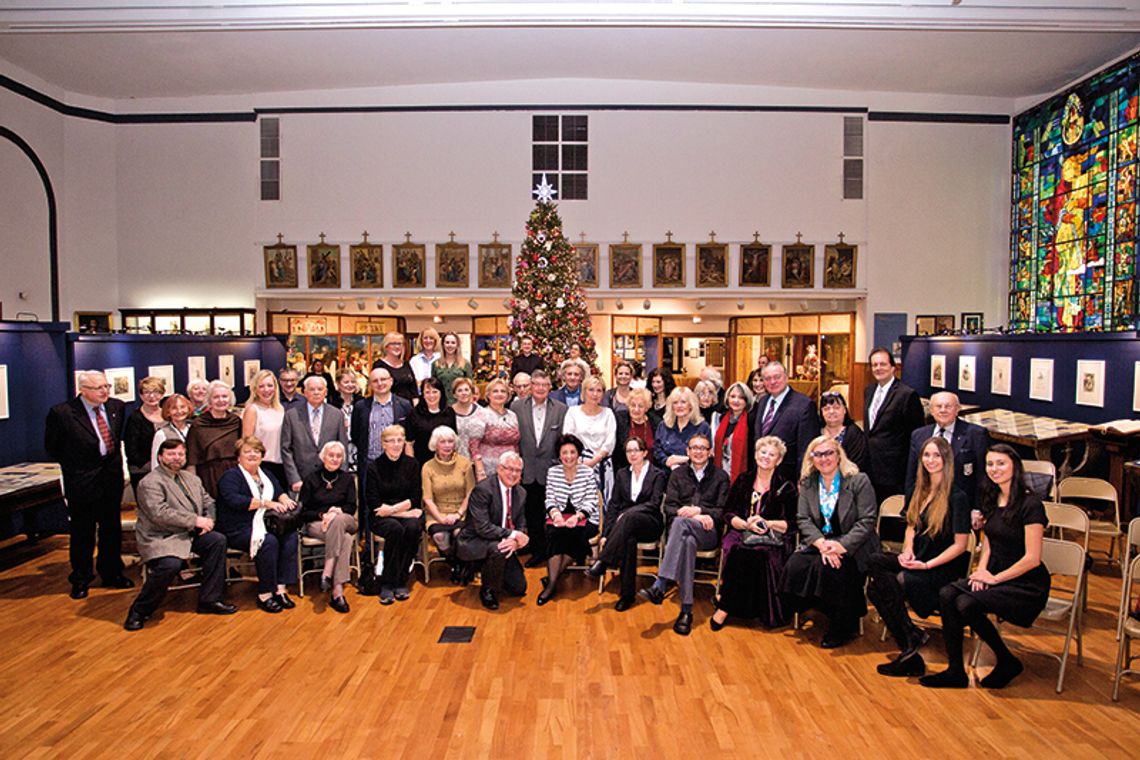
(573, 679)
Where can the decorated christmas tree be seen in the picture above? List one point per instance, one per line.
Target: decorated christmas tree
(547, 302)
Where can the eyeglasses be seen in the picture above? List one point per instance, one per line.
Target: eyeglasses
(824, 454)
(698, 447)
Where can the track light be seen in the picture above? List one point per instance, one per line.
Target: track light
(620, 304)
(472, 303)
(740, 304)
(696, 319)
(420, 304)
(438, 319)
(435, 303)
(702, 304)
(360, 304)
(340, 305)
(646, 304)
(392, 304)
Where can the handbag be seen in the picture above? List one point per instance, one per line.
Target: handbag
(771, 538)
(282, 524)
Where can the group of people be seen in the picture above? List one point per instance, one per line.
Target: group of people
(787, 490)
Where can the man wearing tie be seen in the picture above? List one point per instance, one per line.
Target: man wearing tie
(370, 416)
(84, 435)
(968, 442)
(306, 428)
(540, 425)
(894, 411)
(176, 517)
(495, 530)
(787, 414)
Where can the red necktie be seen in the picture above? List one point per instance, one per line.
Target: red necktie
(104, 430)
(510, 521)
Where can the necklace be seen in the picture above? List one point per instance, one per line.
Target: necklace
(329, 483)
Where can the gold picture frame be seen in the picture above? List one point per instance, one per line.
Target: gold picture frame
(839, 265)
(799, 266)
(625, 265)
(495, 265)
(587, 264)
(755, 265)
(324, 265)
(280, 265)
(712, 265)
(93, 322)
(408, 264)
(669, 265)
(452, 265)
(366, 262)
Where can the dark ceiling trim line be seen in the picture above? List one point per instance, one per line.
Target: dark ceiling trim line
(939, 118)
(53, 222)
(561, 107)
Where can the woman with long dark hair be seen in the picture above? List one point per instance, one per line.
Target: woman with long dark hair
(660, 384)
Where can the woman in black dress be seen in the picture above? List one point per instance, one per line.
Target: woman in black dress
(760, 503)
(425, 417)
(328, 512)
(837, 424)
(1010, 580)
(138, 436)
(933, 555)
(660, 384)
(393, 498)
(392, 359)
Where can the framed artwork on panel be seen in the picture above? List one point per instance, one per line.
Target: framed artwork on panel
(924, 324)
(324, 265)
(494, 265)
(1000, 373)
(280, 265)
(668, 265)
(408, 264)
(973, 322)
(165, 372)
(196, 367)
(755, 265)
(1090, 382)
(967, 373)
(226, 369)
(93, 321)
(712, 265)
(1041, 379)
(366, 262)
(452, 265)
(625, 265)
(587, 264)
(938, 371)
(839, 265)
(122, 380)
(250, 368)
(944, 324)
(799, 266)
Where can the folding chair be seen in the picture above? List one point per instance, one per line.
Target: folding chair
(311, 559)
(1132, 540)
(1127, 627)
(1043, 468)
(1097, 490)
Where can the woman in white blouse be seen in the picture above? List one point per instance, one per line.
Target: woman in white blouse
(421, 362)
(262, 419)
(596, 427)
(571, 513)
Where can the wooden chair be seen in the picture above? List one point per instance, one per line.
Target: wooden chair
(1127, 628)
(1095, 489)
(595, 542)
(429, 555)
(643, 549)
(1044, 468)
(1132, 540)
(376, 545)
(311, 559)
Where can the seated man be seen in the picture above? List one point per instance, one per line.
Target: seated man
(495, 530)
(176, 517)
(694, 501)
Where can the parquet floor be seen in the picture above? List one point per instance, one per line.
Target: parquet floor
(573, 679)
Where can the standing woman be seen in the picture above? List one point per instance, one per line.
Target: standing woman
(447, 482)
(933, 555)
(756, 381)
(450, 366)
(760, 503)
(636, 421)
(425, 417)
(836, 521)
(176, 411)
(681, 422)
(392, 359)
(345, 398)
(1010, 580)
(733, 432)
(705, 391)
(571, 513)
(594, 425)
(198, 391)
(421, 363)
(500, 430)
(660, 384)
(394, 494)
(138, 435)
(617, 398)
(212, 437)
(469, 421)
(262, 419)
(839, 427)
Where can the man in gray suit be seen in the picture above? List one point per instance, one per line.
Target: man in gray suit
(176, 517)
(540, 425)
(306, 429)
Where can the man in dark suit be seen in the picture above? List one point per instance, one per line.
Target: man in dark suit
(526, 361)
(495, 530)
(968, 442)
(176, 517)
(369, 418)
(787, 414)
(540, 425)
(893, 412)
(85, 436)
(306, 428)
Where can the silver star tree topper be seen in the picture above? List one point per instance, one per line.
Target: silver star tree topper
(545, 191)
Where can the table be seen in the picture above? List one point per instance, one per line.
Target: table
(29, 484)
(1038, 433)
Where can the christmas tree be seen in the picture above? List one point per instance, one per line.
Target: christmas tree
(547, 302)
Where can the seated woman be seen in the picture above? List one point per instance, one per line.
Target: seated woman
(634, 516)
(328, 512)
(1010, 580)
(839, 427)
(393, 497)
(933, 555)
(571, 513)
(761, 503)
(836, 521)
(245, 494)
(733, 431)
(681, 422)
(447, 480)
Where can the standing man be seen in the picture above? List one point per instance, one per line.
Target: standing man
(520, 384)
(287, 379)
(540, 425)
(893, 413)
(176, 517)
(306, 429)
(526, 361)
(787, 414)
(85, 435)
(369, 418)
(968, 442)
(570, 393)
(495, 530)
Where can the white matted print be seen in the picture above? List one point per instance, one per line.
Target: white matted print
(226, 369)
(122, 380)
(1090, 382)
(967, 373)
(1041, 379)
(166, 373)
(938, 371)
(3, 391)
(196, 366)
(1000, 373)
(250, 367)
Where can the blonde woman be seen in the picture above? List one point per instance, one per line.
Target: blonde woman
(422, 362)
(212, 437)
(391, 358)
(447, 482)
(262, 419)
(451, 365)
(469, 422)
(176, 411)
(596, 427)
(681, 422)
(500, 430)
(138, 435)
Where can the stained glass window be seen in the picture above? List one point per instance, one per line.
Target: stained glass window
(1073, 216)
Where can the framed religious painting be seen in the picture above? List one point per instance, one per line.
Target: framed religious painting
(668, 265)
(839, 263)
(408, 264)
(755, 265)
(93, 321)
(799, 266)
(494, 265)
(366, 262)
(712, 265)
(625, 265)
(973, 322)
(324, 266)
(452, 265)
(587, 264)
(280, 265)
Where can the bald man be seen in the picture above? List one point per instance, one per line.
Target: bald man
(968, 442)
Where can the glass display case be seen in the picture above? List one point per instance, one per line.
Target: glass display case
(353, 341)
(815, 348)
(490, 348)
(235, 321)
(636, 339)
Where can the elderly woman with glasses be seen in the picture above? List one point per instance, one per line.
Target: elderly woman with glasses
(837, 425)
(836, 521)
(393, 496)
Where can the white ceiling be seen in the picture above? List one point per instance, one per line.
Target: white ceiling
(999, 49)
